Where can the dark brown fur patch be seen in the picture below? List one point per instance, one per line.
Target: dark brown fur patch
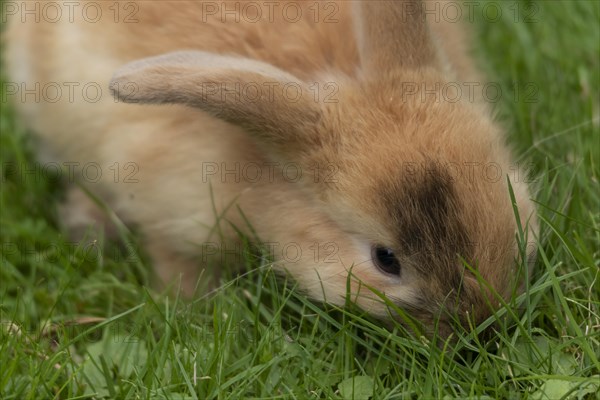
(425, 213)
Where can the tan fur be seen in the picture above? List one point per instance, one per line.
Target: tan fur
(367, 139)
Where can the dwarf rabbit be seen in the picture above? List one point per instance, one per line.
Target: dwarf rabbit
(332, 131)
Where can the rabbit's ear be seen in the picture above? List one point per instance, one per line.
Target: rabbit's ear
(392, 34)
(265, 100)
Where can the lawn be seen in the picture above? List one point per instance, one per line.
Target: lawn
(80, 320)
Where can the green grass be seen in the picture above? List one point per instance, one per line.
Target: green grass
(77, 325)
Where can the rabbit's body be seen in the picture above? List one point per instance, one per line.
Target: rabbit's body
(376, 174)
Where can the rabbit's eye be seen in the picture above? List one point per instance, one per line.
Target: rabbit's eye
(385, 260)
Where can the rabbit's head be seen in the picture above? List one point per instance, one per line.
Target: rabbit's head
(420, 180)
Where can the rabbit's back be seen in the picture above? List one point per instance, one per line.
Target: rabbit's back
(300, 37)
(78, 55)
